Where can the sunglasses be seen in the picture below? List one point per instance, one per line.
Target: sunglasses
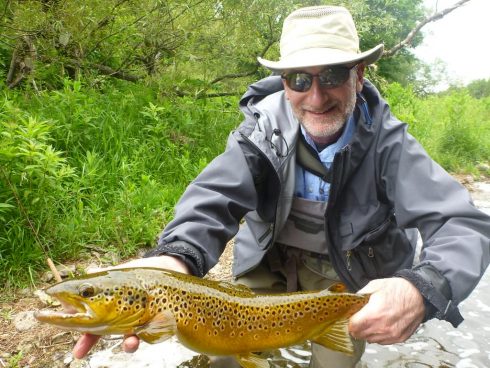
(330, 77)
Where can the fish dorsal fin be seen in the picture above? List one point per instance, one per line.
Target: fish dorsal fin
(236, 288)
(336, 337)
(252, 361)
(338, 287)
(160, 328)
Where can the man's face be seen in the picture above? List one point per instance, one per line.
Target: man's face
(323, 111)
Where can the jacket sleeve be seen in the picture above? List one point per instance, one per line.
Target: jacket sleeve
(208, 214)
(455, 234)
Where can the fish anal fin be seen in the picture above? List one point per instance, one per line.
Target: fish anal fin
(160, 328)
(252, 361)
(336, 337)
(338, 287)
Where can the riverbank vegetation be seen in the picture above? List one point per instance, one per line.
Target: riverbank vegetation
(106, 116)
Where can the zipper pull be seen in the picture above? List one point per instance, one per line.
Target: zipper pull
(371, 252)
(348, 254)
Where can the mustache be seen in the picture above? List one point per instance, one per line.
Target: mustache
(317, 110)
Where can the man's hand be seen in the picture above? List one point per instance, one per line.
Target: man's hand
(131, 342)
(393, 313)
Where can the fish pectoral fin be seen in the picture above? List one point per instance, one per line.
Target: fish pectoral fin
(338, 287)
(336, 337)
(160, 328)
(252, 361)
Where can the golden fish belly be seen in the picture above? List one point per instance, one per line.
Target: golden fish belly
(262, 323)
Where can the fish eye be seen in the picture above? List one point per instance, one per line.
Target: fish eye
(86, 291)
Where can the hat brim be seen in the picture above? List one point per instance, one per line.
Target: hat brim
(322, 56)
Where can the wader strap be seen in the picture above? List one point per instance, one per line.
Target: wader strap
(310, 161)
(291, 267)
(284, 259)
(274, 259)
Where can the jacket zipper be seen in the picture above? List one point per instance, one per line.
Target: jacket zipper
(259, 151)
(348, 254)
(344, 273)
(266, 234)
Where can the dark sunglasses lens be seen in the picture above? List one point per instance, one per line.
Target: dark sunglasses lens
(299, 82)
(329, 78)
(333, 77)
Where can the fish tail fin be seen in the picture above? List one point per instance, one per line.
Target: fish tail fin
(336, 337)
(252, 361)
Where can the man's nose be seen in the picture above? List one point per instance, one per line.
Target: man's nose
(316, 94)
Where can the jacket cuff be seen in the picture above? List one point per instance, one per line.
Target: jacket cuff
(182, 250)
(436, 292)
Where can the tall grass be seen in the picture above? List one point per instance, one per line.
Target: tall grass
(84, 167)
(454, 128)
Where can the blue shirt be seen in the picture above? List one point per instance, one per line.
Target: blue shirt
(310, 186)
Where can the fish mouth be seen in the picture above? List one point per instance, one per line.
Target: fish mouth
(73, 310)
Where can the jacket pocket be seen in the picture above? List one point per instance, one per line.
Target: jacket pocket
(383, 251)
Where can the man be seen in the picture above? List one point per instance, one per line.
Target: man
(352, 218)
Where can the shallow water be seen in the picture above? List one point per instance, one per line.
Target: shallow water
(436, 344)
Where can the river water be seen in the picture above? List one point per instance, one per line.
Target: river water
(436, 343)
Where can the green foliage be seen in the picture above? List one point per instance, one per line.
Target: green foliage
(188, 47)
(453, 128)
(81, 167)
(15, 360)
(406, 106)
(465, 132)
(479, 88)
(33, 176)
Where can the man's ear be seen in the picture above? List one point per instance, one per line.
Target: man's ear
(286, 89)
(360, 76)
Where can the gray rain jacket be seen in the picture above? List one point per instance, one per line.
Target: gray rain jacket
(383, 182)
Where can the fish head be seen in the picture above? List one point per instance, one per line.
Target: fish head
(108, 302)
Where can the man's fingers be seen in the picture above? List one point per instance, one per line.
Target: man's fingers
(84, 344)
(131, 343)
(361, 324)
(87, 341)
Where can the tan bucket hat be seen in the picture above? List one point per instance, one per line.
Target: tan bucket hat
(320, 35)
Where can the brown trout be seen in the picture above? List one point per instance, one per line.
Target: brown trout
(210, 317)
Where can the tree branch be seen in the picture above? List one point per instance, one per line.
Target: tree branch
(235, 75)
(104, 69)
(272, 41)
(22, 63)
(408, 40)
(206, 95)
(99, 42)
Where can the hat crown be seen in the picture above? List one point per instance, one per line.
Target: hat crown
(320, 35)
(329, 27)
